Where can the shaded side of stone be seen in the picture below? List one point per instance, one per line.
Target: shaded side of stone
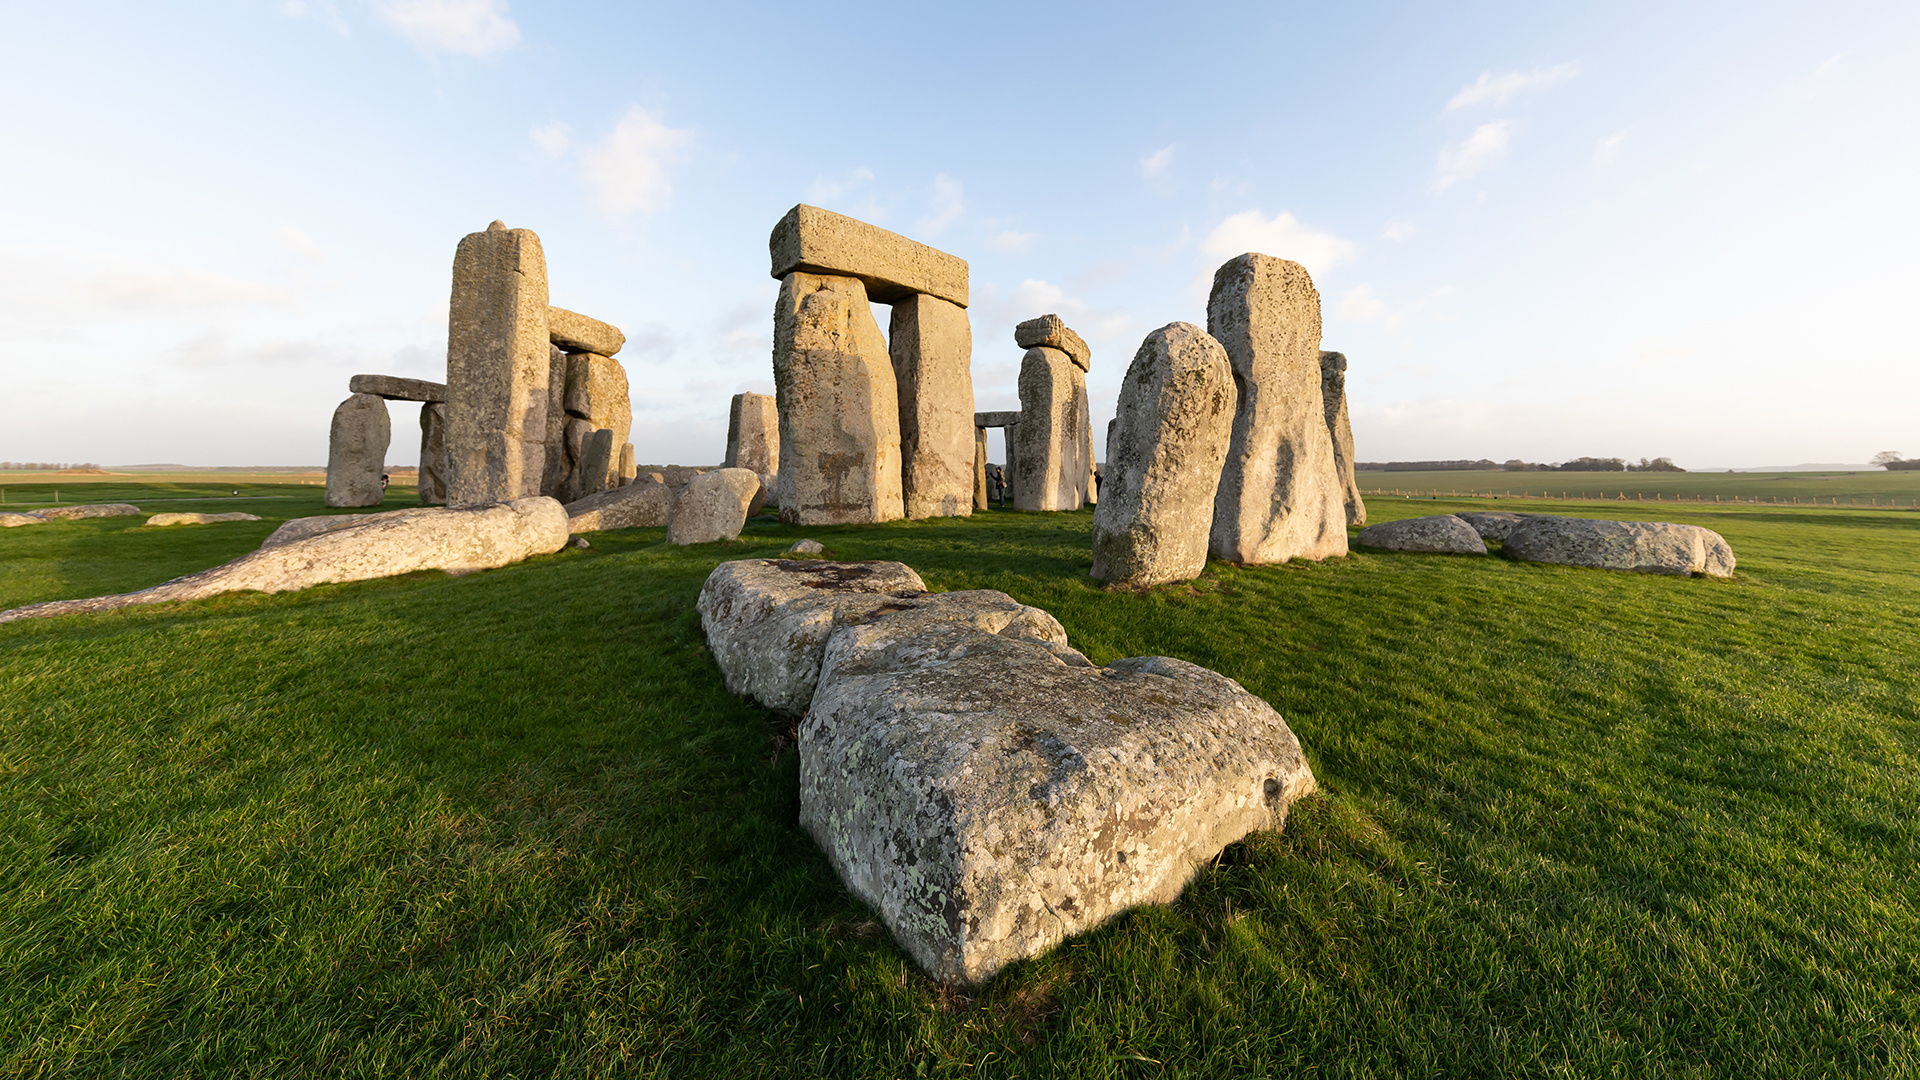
(1333, 394)
(497, 368)
(931, 345)
(357, 451)
(433, 454)
(395, 388)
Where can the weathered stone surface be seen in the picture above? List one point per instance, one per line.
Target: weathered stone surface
(556, 474)
(839, 408)
(597, 393)
(433, 454)
(996, 419)
(815, 241)
(199, 519)
(626, 470)
(357, 452)
(1442, 533)
(456, 539)
(1050, 331)
(767, 620)
(1280, 495)
(647, 503)
(9, 519)
(974, 779)
(753, 442)
(932, 349)
(596, 462)
(1333, 395)
(713, 507)
(1082, 436)
(1047, 458)
(301, 528)
(576, 333)
(1649, 547)
(1171, 434)
(979, 468)
(89, 510)
(497, 368)
(1492, 524)
(806, 547)
(395, 388)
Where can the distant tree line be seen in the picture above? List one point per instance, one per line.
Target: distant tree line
(1579, 464)
(1891, 460)
(45, 466)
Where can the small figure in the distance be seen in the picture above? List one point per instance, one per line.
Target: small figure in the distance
(383, 481)
(997, 485)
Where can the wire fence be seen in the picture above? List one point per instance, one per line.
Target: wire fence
(1640, 496)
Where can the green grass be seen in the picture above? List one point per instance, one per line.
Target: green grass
(1573, 823)
(1866, 488)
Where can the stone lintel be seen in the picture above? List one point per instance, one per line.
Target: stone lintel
(891, 266)
(395, 388)
(996, 419)
(576, 333)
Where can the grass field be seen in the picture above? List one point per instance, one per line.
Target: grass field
(1573, 823)
(1868, 489)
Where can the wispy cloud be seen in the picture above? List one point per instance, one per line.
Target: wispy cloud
(299, 243)
(947, 206)
(627, 169)
(1281, 236)
(554, 139)
(1012, 242)
(1608, 148)
(1497, 90)
(479, 28)
(1154, 165)
(826, 188)
(1362, 304)
(1397, 230)
(1476, 153)
(323, 12)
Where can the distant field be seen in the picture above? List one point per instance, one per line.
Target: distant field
(30, 490)
(1876, 488)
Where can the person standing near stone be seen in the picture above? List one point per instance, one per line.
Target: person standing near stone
(1169, 440)
(497, 367)
(1333, 392)
(357, 451)
(1280, 495)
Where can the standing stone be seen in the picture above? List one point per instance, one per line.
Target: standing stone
(1048, 458)
(1174, 425)
(497, 367)
(597, 393)
(753, 442)
(555, 474)
(1280, 495)
(596, 462)
(979, 468)
(1333, 392)
(627, 469)
(839, 409)
(433, 454)
(932, 349)
(713, 507)
(1083, 438)
(357, 451)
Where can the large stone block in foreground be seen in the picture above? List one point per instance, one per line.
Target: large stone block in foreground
(1163, 460)
(357, 451)
(1280, 493)
(839, 407)
(1648, 547)
(356, 547)
(1333, 394)
(974, 778)
(498, 360)
(932, 348)
(815, 241)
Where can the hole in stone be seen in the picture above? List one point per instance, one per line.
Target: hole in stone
(1273, 789)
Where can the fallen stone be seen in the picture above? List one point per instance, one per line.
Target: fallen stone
(498, 366)
(644, 504)
(433, 455)
(806, 547)
(579, 543)
(767, 620)
(1648, 547)
(1280, 495)
(576, 333)
(458, 540)
(932, 349)
(1052, 332)
(357, 452)
(839, 408)
(199, 519)
(1175, 421)
(301, 528)
(815, 241)
(1333, 394)
(1045, 446)
(1442, 533)
(991, 793)
(395, 388)
(713, 507)
(90, 510)
(1493, 524)
(9, 519)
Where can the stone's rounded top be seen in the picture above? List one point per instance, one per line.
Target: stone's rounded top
(496, 225)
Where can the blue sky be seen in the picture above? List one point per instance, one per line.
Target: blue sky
(1538, 231)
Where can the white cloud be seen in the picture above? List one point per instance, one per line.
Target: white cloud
(464, 27)
(627, 170)
(1012, 242)
(1155, 164)
(321, 11)
(1361, 304)
(1282, 237)
(299, 243)
(1397, 230)
(826, 188)
(1480, 151)
(175, 288)
(1496, 90)
(1608, 148)
(554, 139)
(947, 206)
